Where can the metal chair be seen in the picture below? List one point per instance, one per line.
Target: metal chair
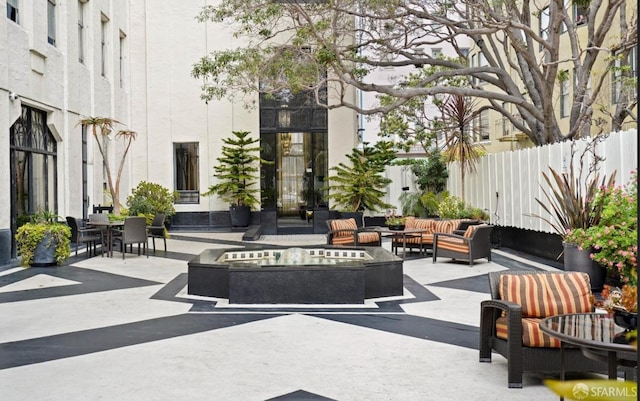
(134, 231)
(83, 235)
(157, 230)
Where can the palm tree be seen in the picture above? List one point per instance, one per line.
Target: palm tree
(103, 126)
(460, 146)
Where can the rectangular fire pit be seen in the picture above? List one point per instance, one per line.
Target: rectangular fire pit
(329, 276)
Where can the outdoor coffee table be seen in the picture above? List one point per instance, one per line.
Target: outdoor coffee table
(595, 334)
(400, 234)
(108, 225)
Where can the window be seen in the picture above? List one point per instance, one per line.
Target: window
(123, 37)
(81, 31)
(464, 52)
(33, 154)
(624, 79)
(436, 52)
(186, 171)
(51, 22)
(480, 126)
(12, 10)
(103, 44)
(564, 95)
(544, 24)
(580, 14)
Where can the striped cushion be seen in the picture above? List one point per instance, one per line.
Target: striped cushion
(342, 240)
(368, 237)
(410, 222)
(343, 224)
(532, 336)
(443, 226)
(471, 229)
(453, 244)
(542, 295)
(425, 224)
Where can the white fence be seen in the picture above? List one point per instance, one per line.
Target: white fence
(506, 184)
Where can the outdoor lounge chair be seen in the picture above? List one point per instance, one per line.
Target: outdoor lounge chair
(473, 244)
(346, 232)
(511, 329)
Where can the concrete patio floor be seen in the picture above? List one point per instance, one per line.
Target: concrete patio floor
(112, 329)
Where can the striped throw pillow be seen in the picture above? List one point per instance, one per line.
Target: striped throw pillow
(344, 224)
(542, 295)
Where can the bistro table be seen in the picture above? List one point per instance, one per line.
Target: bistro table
(400, 234)
(108, 226)
(596, 334)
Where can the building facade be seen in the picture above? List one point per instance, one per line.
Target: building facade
(62, 61)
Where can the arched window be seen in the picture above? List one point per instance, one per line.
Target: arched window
(33, 153)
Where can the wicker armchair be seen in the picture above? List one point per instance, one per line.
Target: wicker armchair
(346, 232)
(473, 244)
(522, 358)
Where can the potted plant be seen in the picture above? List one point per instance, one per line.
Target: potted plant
(569, 198)
(237, 176)
(614, 240)
(395, 223)
(43, 241)
(361, 186)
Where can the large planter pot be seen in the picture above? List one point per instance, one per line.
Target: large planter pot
(45, 253)
(578, 260)
(240, 216)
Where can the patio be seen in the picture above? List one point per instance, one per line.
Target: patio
(126, 329)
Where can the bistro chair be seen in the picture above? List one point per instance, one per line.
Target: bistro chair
(83, 235)
(134, 231)
(157, 230)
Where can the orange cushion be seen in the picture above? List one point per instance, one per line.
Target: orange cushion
(410, 222)
(368, 237)
(532, 336)
(443, 226)
(542, 295)
(471, 229)
(425, 224)
(343, 224)
(453, 244)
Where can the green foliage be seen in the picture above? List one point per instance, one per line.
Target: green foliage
(452, 207)
(570, 205)
(361, 186)
(149, 198)
(615, 238)
(237, 171)
(43, 224)
(420, 204)
(431, 173)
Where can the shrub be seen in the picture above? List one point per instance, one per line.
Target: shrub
(149, 198)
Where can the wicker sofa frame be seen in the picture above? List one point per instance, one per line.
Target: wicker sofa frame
(354, 233)
(427, 243)
(521, 358)
(479, 245)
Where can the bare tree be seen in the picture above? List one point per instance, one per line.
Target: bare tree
(342, 41)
